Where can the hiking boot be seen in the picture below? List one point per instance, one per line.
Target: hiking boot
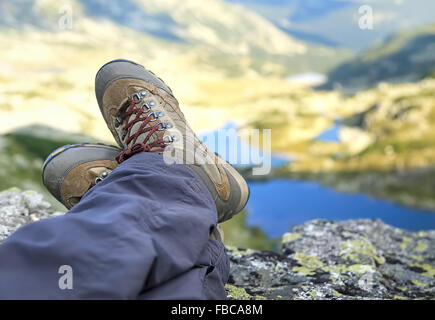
(144, 116)
(70, 171)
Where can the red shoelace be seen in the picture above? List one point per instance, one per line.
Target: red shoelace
(137, 147)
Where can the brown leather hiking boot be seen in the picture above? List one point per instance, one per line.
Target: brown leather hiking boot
(70, 171)
(144, 116)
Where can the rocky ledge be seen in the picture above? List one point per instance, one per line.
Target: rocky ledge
(356, 259)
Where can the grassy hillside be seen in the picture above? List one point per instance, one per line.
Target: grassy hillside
(23, 152)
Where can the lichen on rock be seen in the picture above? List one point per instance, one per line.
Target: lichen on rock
(355, 259)
(21, 207)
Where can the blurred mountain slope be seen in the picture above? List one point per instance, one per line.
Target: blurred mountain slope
(404, 57)
(47, 72)
(219, 32)
(335, 22)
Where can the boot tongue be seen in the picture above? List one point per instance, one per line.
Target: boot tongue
(85, 184)
(135, 128)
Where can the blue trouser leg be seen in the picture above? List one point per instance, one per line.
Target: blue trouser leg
(142, 233)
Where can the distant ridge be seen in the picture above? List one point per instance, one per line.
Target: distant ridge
(404, 57)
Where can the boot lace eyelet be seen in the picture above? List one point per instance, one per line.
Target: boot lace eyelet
(156, 115)
(145, 107)
(164, 126)
(118, 122)
(101, 177)
(138, 96)
(170, 139)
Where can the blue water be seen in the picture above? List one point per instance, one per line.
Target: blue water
(330, 135)
(277, 205)
(225, 141)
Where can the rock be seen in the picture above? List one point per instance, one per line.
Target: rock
(355, 259)
(18, 208)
